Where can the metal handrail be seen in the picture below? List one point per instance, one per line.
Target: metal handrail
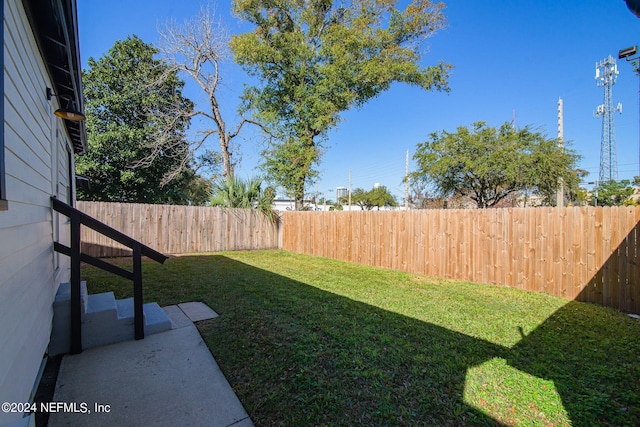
(77, 219)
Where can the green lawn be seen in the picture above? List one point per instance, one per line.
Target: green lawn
(312, 341)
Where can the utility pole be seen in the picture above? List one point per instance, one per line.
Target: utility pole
(406, 183)
(560, 193)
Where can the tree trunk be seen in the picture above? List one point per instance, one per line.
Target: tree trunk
(227, 166)
(225, 138)
(299, 194)
(299, 184)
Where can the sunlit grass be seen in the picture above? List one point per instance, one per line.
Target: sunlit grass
(513, 397)
(312, 341)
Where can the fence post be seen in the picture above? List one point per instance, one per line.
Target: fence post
(76, 306)
(137, 292)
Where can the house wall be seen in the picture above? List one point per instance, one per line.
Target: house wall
(37, 165)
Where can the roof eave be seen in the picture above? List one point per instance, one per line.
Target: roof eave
(55, 26)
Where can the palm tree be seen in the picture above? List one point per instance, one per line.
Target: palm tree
(234, 192)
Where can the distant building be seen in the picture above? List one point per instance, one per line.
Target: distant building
(341, 192)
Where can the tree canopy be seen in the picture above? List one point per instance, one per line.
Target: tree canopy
(127, 114)
(315, 59)
(375, 198)
(381, 197)
(488, 164)
(614, 193)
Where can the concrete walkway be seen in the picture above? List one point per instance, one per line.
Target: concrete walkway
(166, 379)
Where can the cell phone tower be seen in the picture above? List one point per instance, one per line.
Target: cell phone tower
(606, 74)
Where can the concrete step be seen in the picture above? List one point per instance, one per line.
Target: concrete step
(116, 321)
(101, 308)
(155, 319)
(63, 296)
(105, 320)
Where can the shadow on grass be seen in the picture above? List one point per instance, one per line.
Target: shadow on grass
(298, 355)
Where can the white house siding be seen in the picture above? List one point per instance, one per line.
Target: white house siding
(37, 166)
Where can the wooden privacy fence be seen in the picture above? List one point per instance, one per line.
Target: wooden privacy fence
(589, 254)
(177, 229)
(585, 253)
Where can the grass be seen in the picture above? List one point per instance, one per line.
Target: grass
(312, 341)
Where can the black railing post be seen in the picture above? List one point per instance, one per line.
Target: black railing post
(76, 305)
(137, 291)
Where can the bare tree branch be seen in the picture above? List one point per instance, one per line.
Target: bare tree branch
(197, 48)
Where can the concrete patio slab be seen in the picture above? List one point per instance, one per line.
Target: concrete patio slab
(167, 379)
(197, 311)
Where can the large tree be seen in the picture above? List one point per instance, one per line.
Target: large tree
(315, 59)
(127, 114)
(488, 164)
(198, 48)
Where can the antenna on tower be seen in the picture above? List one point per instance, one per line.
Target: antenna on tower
(606, 74)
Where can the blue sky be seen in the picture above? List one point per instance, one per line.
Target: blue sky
(510, 57)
